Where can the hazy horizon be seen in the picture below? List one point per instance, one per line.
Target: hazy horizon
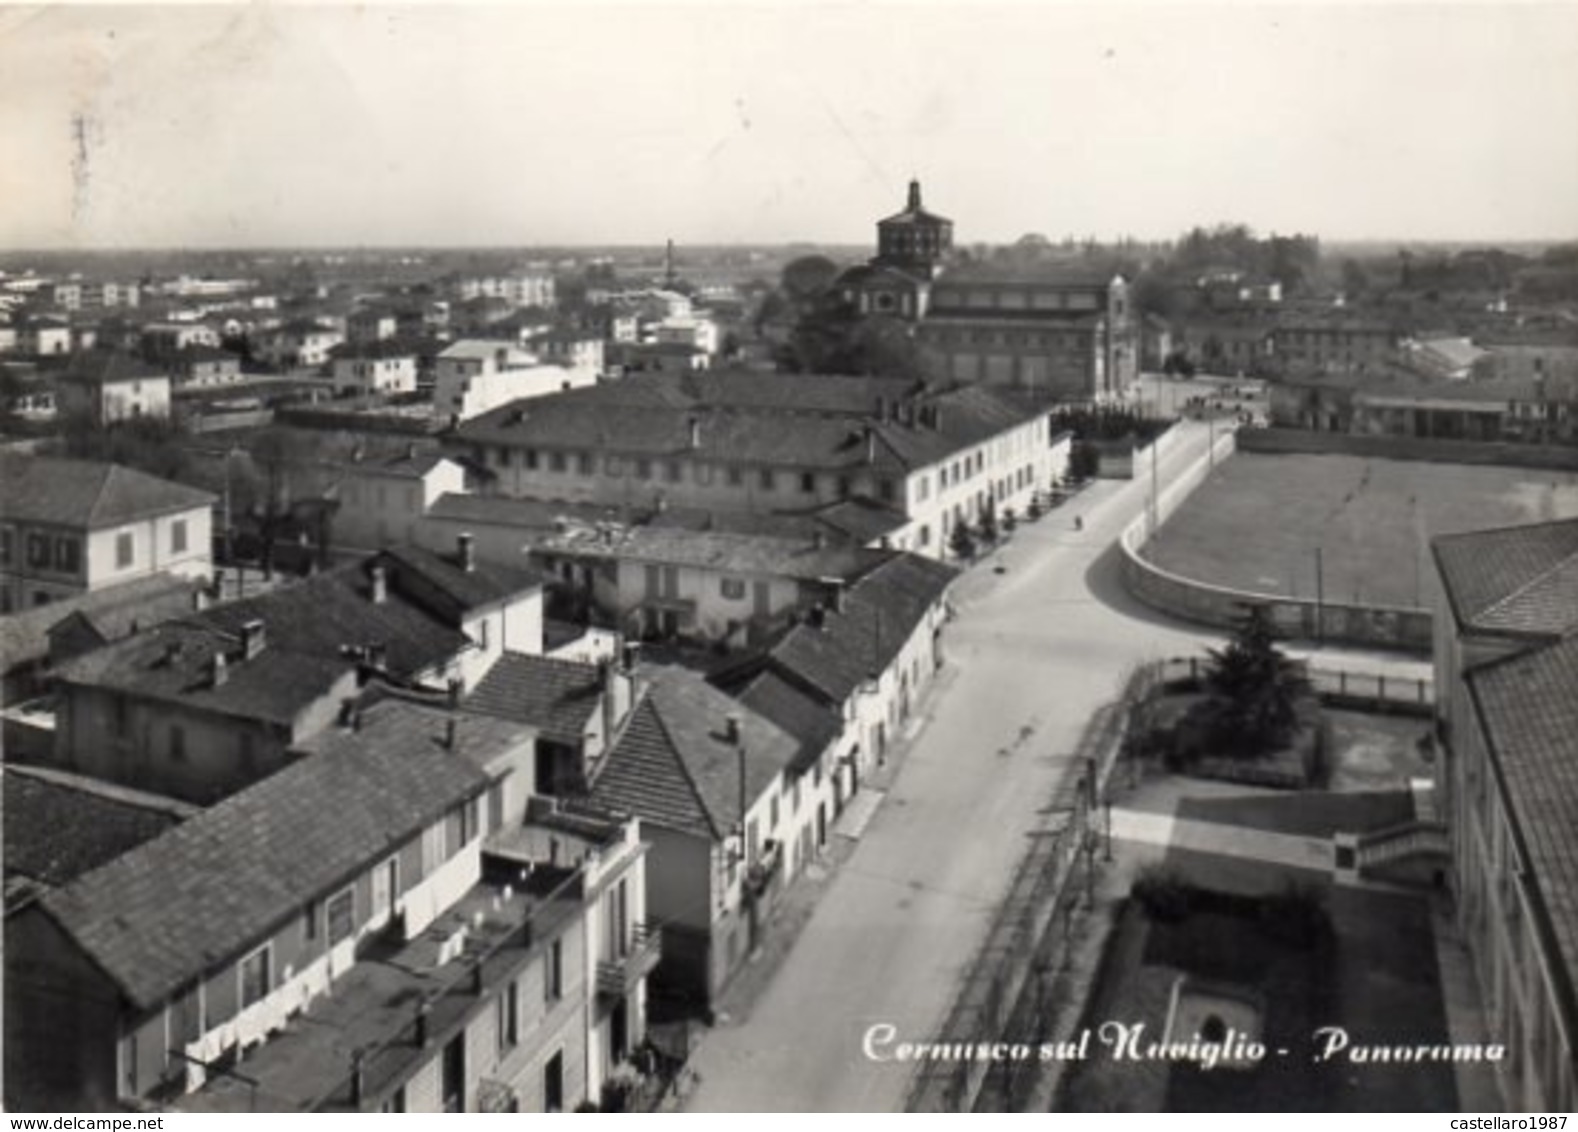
(449, 127)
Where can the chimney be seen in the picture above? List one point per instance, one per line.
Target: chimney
(465, 544)
(380, 581)
(731, 728)
(838, 595)
(871, 445)
(221, 672)
(695, 432)
(453, 689)
(816, 616)
(451, 730)
(627, 656)
(252, 639)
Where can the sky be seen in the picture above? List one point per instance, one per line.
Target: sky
(607, 123)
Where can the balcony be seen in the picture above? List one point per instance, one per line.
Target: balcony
(618, 977)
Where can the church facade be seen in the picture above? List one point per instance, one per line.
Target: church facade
(1046, 327)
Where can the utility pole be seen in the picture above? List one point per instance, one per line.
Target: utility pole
(1320, 599)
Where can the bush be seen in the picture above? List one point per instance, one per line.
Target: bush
(1163, 894)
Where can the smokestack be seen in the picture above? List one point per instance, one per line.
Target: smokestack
(465, 545)
(252, 639)
(380, 583)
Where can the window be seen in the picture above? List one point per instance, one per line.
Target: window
(529, 457)
(583, 463)
(453, 1075)
(68, 555)
(557, 462)
(342, 915)
(177, 743)
(503, 458)
(123, 550)
(5, 546)
(255, 976)
(553, 976)
(885, 490)
(733, 589)
(772, 818)
(643, 469)
(178, 537)
(736, 477)
(675, 472)
(509, 1017)
(767, 479)
(38, 551)
(808, 482)
(311, 925)
(396, 1101)
(128, 1047)
(386, 886)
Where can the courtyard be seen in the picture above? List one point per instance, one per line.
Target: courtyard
(1258, 520)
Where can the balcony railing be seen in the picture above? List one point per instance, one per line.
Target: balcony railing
(616, 978)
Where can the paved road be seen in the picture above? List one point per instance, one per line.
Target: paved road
(1033, 651)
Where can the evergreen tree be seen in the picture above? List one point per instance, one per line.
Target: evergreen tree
(1252, 691)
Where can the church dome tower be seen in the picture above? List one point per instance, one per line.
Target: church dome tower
(914, 240)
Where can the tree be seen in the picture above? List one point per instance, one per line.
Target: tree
(1252, 692)
(989, 530)
(962, 543)
(1084, 461)
(808, 278)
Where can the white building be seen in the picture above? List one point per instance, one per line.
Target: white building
(474, 376)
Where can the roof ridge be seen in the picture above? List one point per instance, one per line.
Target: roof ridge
(1537, 579)
(649, 701)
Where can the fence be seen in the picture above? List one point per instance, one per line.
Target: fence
(1223, 607)
(1337, 686)
(1286, 440)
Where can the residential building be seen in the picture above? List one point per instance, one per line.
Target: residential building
(386, 366)
(572, 349)
(1064, 332)
(936, 459)
(1506, 653)
(519, 288)
(1548, 354)
(70, 526)
(43, 335)
(205, 705)
(298, 344)
(367, 930)
(107, 387)
(1239, 346)
(577, 711)
(1465, 410)
(162, 342)
(1332, 339)
(631, 358)
(382, 501)
(475, 376)
(370, 325)
(204, 367)
(706, 777)
(658, 583)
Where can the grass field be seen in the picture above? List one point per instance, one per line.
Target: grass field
(1256, 522)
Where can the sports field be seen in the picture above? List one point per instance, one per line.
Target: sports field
(1256, 523)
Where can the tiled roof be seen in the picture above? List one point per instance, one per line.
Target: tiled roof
(174, 662)
(814, 725)
(114, 611)
(505, 511)
(1520, 579)
(324, 615)
(56, 828)
(79, 493)
(1496, 394)
(204, 892)
(400, 720)
(403, 465)
(881, 611)
(728, 552)
(638, 423)
(993, 272)
(674, 765)
(1528, 704)
(485, 584)
(557, 697)
(104, 367)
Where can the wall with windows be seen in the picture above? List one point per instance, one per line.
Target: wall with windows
(375, 375)
(176, 748)
(44, 562)
(378, 509)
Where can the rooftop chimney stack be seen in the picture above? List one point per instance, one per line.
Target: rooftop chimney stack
(695, 433)
(838, 595)
(380, 583)
(252, 639)
(871, 445)
(466, 545)
(221, 671)
(451, 731)
(731, 728)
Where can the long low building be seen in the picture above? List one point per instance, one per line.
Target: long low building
(937, 458)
